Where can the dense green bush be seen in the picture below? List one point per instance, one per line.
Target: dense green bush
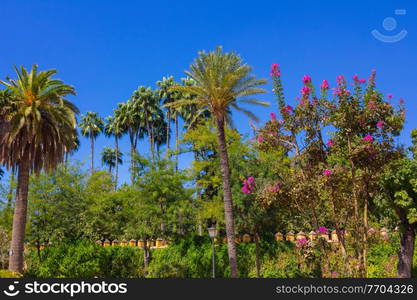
(382, 259)
(85, 259)
(190, 257)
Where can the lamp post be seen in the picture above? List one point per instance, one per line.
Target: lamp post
(213, 233)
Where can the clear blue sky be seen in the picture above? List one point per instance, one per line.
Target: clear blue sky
(107, 48)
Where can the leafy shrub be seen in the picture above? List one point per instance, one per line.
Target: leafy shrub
(383, 259)
(189, 258)
(85, 259)
(121, 262)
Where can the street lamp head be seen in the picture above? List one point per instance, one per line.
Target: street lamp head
(212, 232)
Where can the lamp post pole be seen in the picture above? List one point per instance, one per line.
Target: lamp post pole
(213, 258)
(213, 233)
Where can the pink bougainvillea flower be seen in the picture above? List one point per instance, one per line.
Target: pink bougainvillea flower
(356, 79)
(324, 85)
(246, 190)
(389, 96)
(302, 242)
(330, 143)
(273, 116)
(260, 139)
(401, 101)
(327, 172)
(380, 124)
(340, 78)
(368, 138)
(323, 230)
(305, 90)
(306, 79)
(287, 109)
(341, 92)
(248, 185)
(275, 70)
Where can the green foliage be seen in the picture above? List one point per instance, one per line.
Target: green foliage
(382, 259)
(400, 186)
(57, 203)
(85, 259)
(189, 258)
(161, 205)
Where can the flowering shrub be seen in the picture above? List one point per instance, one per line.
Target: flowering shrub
(323, 230)
(248, 185)
(336, 178)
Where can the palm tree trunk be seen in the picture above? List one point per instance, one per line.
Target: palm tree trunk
(227, 197)
(177, 144)
(19, 218)
(132, 163)
(132, 154)
(11, 184)
(153, 143)
(92, 155)
(168, 128)
(116, 176)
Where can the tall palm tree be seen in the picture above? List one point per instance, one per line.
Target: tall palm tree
(91, 126)
(74, 149)
(38, 126)
(114, 128)
(167, 96)
(110, 157)
(129, 117)
(222, 81)
(148, 101)
(160, 128)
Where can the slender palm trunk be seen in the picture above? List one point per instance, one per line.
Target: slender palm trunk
(11, 184)
(227, 196)
(150, 135)
(168, 128)
(153, 143)
(132, 155)
(177, 143)
(116, 175)
(92, 154)
(19, 218)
